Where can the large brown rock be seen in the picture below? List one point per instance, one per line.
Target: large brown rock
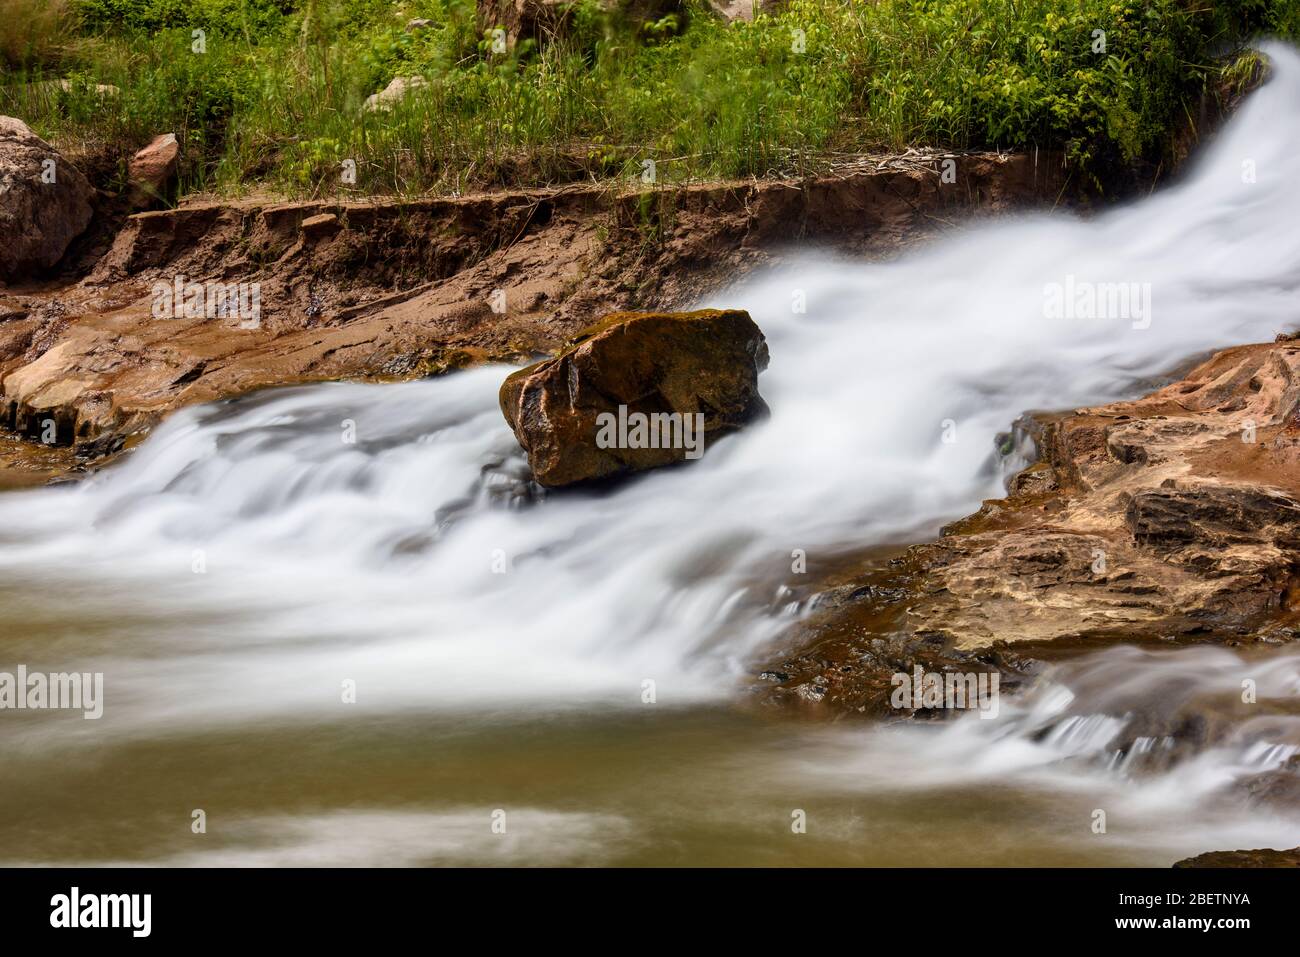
(523, 19)
(44, 202)
(637, 391)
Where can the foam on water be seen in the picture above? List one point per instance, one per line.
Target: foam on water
(381, 561)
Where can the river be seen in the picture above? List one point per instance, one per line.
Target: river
(338, 620)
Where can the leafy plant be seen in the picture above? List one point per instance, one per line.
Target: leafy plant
(277, 95)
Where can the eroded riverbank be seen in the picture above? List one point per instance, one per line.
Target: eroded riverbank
(396, 290)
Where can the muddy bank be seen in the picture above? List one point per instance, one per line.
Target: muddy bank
(1171, 519)
(396, 290)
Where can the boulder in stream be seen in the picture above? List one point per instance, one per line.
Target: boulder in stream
(636, 391)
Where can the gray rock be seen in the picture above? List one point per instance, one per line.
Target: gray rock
(395, 92)
(44, 202)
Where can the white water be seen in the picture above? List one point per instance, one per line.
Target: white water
(324, 561)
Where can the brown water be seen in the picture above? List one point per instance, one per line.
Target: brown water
(645, 784)
(694, 788)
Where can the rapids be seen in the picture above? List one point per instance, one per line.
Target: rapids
(235, 571)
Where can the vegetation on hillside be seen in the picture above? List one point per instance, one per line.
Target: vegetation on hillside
(271, 91)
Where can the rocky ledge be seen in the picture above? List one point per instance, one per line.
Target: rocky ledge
(135, 323)
(1173, 518)
(1261, 857)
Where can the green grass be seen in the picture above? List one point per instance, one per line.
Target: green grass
(34, 31)
(275, 99)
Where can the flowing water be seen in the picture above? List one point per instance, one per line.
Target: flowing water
(249, 567)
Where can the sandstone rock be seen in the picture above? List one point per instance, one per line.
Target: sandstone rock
(12, 309)
(152, 169)
(1260, 857)
(1175, 516)
(394, 93)
(321, 226)
(1213, 516)
(38, 218)
(636, 391)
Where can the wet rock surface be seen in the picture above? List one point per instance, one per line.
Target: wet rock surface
(637, 391)
(1172, 518)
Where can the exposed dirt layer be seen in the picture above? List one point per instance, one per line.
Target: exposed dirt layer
(1173, 518)
(405, 289)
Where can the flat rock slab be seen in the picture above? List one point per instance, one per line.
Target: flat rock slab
(1172, 518)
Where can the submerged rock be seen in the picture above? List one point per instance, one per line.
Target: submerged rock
(44, 201)
(637, 391)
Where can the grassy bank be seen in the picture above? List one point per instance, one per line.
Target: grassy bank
(275, 94)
